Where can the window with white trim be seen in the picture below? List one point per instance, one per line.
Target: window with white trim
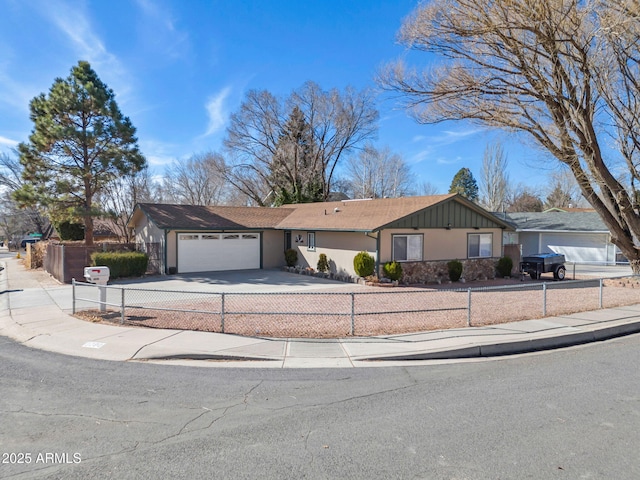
(480, 245)
(188, 236)
(407, 248)
(311, 241)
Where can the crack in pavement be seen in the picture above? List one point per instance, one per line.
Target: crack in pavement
(77, 415)
(306, 447)
(344, 400)
(207, 411)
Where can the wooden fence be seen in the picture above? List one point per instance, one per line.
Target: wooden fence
(67, 261)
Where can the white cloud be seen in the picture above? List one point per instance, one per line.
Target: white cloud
(448, 161)
(421, 156)
(437, 144)
(158, 154)
(172, 41)
(16, 94)
(447, 137)
(77, 28)
(216, 111)
(8, 142)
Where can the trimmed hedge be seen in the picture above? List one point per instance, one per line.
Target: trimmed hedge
(121, 264)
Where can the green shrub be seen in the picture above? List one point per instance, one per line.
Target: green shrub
(122, 264)
(70, 231)
(392, 270)
(291, 257)
(504, 266)
(323, 263)
(455, 270)
(364, 264)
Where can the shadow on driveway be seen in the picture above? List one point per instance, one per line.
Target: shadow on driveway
(238, 280)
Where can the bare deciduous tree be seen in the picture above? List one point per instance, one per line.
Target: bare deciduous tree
(494, 179)
(198, 180)
(15, 221)
(380, 173)
(119, 199)
(428, 188)
(563, 191)
(338, 121)
(565, 73)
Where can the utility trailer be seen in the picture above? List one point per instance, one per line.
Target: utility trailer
(536, 265)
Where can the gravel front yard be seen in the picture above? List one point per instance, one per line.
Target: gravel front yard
(376, 310)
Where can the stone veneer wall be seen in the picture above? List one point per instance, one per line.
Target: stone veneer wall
(437, 272)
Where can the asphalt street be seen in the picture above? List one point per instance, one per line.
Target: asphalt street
(572, 413)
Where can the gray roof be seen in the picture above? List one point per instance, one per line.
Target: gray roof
(555, 221)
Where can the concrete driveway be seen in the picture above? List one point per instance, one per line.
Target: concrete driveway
(244, 281)
(598, 271)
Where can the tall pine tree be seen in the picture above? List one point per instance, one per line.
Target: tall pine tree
(80, 142)
(295, 175)
(464, 184)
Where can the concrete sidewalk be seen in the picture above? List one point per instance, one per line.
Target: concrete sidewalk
(35, 311)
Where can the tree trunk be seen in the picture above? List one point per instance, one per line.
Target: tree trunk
(632, 254)
(88, 230)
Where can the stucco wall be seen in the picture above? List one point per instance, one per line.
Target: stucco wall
(172, 249)
(147, 233)
(439, 244)
(339, 247)
(272, 249)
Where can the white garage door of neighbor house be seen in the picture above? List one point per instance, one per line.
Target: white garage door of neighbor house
(577, 247)
(207, 252)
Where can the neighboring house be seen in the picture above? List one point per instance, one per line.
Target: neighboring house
(409, 229)
(581, 236)
(104, 230)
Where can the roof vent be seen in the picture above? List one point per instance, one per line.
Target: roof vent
(336, 210)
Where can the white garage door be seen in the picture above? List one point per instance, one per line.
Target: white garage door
(207, 252)
(577, 247)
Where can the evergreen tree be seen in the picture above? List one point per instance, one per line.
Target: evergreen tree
(464, 184)
(558, 198)
(295, 176)
(80, 142)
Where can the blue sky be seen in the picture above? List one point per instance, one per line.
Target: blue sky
(179, 68)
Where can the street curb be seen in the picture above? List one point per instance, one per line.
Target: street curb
(4, 287)
(205, 357)
(519, 347)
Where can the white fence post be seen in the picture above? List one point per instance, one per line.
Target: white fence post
(103, 298)
(353, 313)
(222, 314)
(600, 299)
(122, 306)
